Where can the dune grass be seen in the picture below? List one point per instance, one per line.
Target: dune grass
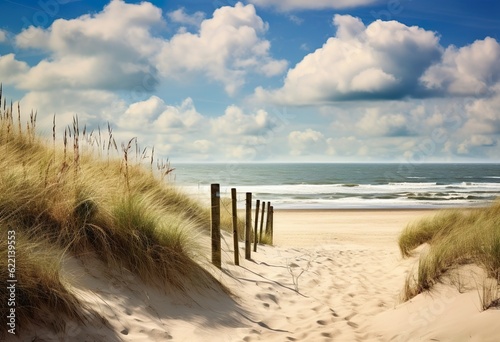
(99, 204)
(454, 237)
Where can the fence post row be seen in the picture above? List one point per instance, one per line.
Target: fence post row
(215, 224)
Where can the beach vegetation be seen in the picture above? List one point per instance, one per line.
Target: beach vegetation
(80, 196)
(453, 238)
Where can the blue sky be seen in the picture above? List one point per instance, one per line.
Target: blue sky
(265, 80)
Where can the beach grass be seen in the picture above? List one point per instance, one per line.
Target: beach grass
(453, 238)
(93, 203)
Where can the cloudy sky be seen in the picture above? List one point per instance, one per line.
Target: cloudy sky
(265, 80)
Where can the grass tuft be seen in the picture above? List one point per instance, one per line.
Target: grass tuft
(64, 202)
(454, 237)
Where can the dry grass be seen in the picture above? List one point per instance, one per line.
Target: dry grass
(454, 237)
(75, 201)
(40, 290)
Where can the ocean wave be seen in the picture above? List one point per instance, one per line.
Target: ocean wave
(342, 195)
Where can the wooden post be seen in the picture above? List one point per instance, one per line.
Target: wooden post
(235, 228)
(215, 218)
(255, 240)
(262, 220)
(248, 222)
(268, 218)
(271, 213)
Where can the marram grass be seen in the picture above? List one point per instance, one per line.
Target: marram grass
(63, 202)
(454, 237)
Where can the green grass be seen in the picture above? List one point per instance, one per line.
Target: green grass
(80, 196)
(454, 237)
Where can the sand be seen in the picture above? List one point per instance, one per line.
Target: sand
(331, 276)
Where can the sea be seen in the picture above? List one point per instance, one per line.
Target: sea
(346, 186)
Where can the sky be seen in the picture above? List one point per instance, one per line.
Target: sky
(264, 80)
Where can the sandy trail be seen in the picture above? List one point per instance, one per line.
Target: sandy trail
(332, 276)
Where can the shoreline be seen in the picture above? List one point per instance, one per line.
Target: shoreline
(347, 210)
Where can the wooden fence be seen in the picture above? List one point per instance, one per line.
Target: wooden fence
(257, 235)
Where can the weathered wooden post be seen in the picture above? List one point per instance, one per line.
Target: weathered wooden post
(262, 220)
(215, 218)
(268, 218)
(248, 222)
(271, 212)
(255, 240)
(235, 227)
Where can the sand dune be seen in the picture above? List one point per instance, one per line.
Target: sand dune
(332, 276)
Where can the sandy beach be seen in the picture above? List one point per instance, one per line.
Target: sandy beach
(331, 276)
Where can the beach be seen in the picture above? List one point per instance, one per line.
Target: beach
(333, 275)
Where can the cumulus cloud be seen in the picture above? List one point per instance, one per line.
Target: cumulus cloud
(225, 49)
(10, 68)
(110, 50)
(236, 122)
(101, 67)
(374, 123)
(182, 132)
(173, 130)
(242, 135)
(483, 114)
(289, 5)
(306, 142)
(93, 107)
(119, 49)
(155, 116)
(383, 60)
(470, 70)
(476, 141)
(181, 17)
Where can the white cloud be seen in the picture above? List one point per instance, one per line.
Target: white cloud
(116, 50)
(98, 66)
(243, 136)
(475, 141)
(174, 130)
(374, 123)
(239, 152)
(181, 17)
(289, 5)
(483, 115)
(182, 132)
(225, 49)
(155, 116)
(235, 122)
(306, 142)
(374, 62)
(202, 146)
(93, 107)
(10, 68)
(109, 50)
(470, 70)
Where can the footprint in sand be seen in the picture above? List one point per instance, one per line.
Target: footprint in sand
(266, 298)
(322, 322)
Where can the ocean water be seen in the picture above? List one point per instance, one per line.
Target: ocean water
(343, 186)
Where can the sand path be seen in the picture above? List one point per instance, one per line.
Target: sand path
(332, 276)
